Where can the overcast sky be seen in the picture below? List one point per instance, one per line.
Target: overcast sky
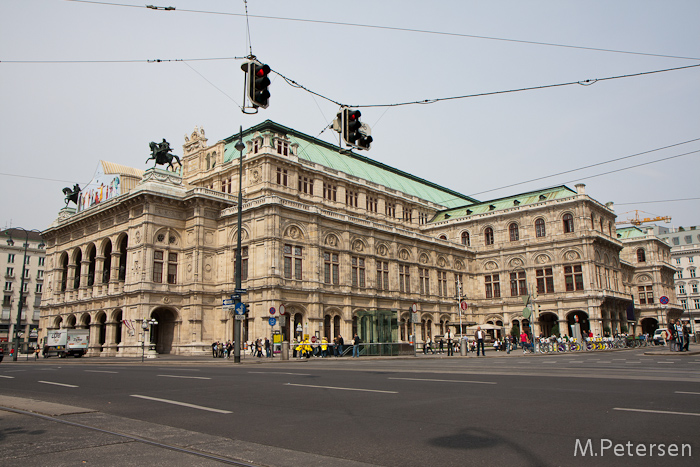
(57, 120)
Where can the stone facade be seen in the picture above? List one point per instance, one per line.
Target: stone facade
(344, 243)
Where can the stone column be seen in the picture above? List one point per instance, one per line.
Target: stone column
(110, 338)
(94, 347)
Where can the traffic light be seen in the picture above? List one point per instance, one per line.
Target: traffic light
(258, 82)
(354, 132)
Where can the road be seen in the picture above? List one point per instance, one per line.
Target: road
(568, 409)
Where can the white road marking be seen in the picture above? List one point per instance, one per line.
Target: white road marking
(658, 411)
(664, 362)
(684, 392)
(278, 373)
(340, 389)
(446, 380)
(8, 377)
(60, 384)
(183, 404)
(100, 371)
(575, 361)
(635, 362)
(184, 377)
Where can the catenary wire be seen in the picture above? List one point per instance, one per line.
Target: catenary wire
(660, 201)
(421, 31)
(588, 166)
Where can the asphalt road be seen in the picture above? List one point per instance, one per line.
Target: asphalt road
(599, 408)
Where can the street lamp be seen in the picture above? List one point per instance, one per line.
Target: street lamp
(144, 325)
(21, 287)
(236, 323)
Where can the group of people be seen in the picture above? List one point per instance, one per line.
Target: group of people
(305, 348)
(678, 335)
(221, 349)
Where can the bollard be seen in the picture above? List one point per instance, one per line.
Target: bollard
(463, 348)
(284, 353)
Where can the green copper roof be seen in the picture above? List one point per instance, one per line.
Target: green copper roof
(629, 232)
(510, 202)
(328, 155)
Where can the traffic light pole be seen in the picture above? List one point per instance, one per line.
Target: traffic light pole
(237, 323)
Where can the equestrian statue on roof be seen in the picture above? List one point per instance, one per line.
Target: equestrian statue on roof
(161, 153)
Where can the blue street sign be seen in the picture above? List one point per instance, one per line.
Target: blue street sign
(241, 291)
(228, 302)
(272, 321)
(235, 297)
(240, 308)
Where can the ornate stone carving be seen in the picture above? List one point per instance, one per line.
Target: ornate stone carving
(571, 255)
(543, 259)
(358, 246)
(491, 266)
(404, 255)
(382, 250)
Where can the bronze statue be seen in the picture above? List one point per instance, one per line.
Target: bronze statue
(161, 153)
(72, 195)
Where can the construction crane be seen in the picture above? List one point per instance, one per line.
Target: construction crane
(638, 221)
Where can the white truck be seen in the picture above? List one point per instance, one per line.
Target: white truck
(65, 342)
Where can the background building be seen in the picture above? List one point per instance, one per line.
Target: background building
(12, 255)
(345, 243)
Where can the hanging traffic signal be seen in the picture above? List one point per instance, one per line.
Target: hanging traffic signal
(354, 132)
(258, 82)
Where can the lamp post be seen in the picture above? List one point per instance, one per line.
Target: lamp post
(21, 287)
(459, 297)
(528, 301)
(236, 323)
(144, 325)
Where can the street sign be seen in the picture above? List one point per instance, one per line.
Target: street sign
(283, 320)
(414, 307)
(299, 327)
(464, 306)
(241, 291)
(664, 300)
(272, 321)
(283, 309)
(272, 310)
(228, 302)
(527, 312)
(240, 317)
(240, 308)
(313, 339)
(235, 296)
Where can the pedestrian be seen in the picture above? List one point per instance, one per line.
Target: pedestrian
(679, 335)
(479, 338)
(356, 341)
(341, 345)
(214, 346)
(268, 348)
(428, 346)
(523, 341)
(36, 353)
(324, 347)
(449, 336)
(686, 336)
(671, 331)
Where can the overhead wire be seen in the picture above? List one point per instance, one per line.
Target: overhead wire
(413, 30)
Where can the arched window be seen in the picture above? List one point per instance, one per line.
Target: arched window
(540, 229)
(488, 236)
(641, 255)
(592, 221)
(443, 237)
(465, 238)
(514, 233)
(568, 220)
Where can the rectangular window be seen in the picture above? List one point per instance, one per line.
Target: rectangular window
(244, 263)
(330, 191)
(10, 257)
(518, 284)
(7, 300)
(407, 214)
(493, 286)
(597, 277)
(25, 287)
(695, 288)
(42, 259)
(40, 274)
(424, 279)
(281, 176)
(646, 295)
(38, 288)
(607, 278)
(697, 303)
(331, 265)
(8, 286)
(351, 198)
(382, 275)
(690, 259)
(27, 260)
(10, 272)
(692, 272)
(684, 303)
(681, 289)
(422, 218)
(545, 280)
(442, 283)
(371, 204)
(390, 209)
(306, 185)
(27, 273)
(678, 261)
(358, 272)
(158, 266)
(172, 268)
(404, 279)
(573, 276)
(282, 147)
(292, 262)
